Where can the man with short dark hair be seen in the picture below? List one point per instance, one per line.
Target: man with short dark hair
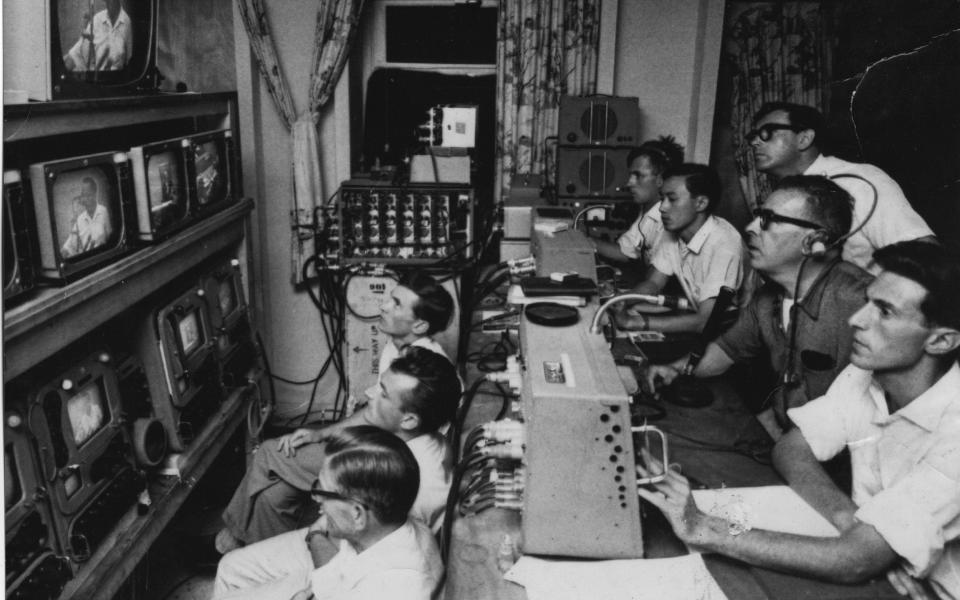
(365, 486)
(786, 140)
(798, 317)
(416, 395)
(897, 408)
(703, 251)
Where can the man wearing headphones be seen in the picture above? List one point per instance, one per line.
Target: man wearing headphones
(798, 317)
(786, 140)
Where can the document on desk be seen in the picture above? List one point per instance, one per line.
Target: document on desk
(773, 507)
(677, 578)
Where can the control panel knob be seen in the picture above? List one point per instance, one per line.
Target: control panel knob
(200, 292)
(14, 420)
(235, 263)
(104, 357)
(66, 385)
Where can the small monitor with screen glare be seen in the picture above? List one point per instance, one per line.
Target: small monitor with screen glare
(190, 334)
(86, 412)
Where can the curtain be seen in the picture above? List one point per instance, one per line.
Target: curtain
(777, 51)
(545, 49)
(336, 25)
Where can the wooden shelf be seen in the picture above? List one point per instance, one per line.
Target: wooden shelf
(58, 316)
(41, 119)
(131, 538)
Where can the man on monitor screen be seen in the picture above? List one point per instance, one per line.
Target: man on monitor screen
(106, 41)
(91, 225)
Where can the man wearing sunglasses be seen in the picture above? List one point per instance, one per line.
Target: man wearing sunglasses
(365, 486)
(702, 251)
(416, 395)
(786, 140)
(798, 317)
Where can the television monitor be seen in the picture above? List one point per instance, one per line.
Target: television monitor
(79, 206)
(85, 454)
(34, 567)
(61, 49)
(177, 346)
(212, 171)
(17, 241)
(160, 182)
(235, 337)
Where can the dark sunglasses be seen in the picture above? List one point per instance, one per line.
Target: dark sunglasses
(319, 495)
(767, 216)
(765, 132)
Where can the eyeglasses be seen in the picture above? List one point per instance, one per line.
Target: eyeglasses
(319, 495)
(765, 132)
(767, 216)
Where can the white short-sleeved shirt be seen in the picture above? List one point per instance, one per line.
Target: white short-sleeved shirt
(404, 565)
(712, 259)
(430, 450)
(112, 44)
(893, 220)
(639, 240)
(906, 466)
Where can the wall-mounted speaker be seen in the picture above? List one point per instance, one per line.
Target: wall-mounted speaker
(592, 172)
(598, 121)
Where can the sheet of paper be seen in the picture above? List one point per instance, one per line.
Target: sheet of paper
(775, 508)
(678, 578)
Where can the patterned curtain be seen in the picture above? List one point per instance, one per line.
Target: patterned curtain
(545, 49)
(336, 25)
(778, 51)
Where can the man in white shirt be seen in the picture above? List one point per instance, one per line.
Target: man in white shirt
(106, 41)
(647, 164)
(897, 408)
(703, 251)
(91, 227)
(272, 496)
(785, 141)
(366, 485)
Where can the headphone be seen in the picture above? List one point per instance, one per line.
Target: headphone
(819, 242)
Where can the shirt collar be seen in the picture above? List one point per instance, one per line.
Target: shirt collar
(927, 409)
(814, 297)
(391, 552)
(818, 166)
(700, 237)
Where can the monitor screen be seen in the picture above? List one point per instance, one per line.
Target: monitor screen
(168, 200)
(98, 36)
(86, 211)
(189, 328)
(211, 178)
(12, 493)
(86, 412)
(227, 296)
(9, 251)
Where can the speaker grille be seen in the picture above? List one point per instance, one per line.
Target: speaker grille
(598, 121)
(592, 172)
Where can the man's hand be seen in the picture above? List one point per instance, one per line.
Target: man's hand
(289, 443)
(659, 376)
(907, 585)
(674, 499)
(626, 320)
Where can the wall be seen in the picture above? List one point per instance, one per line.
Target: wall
(667, 55)
(292, 333)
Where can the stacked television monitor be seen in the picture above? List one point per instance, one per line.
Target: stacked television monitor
(86, 457)
(35, 566)
(177, 346)
(17, 240)
(236, 345)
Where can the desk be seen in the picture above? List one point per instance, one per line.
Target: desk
(472, 572)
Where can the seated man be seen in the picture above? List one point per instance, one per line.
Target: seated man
(798, 318)
(897, 408)
(647, 164)
(786, 140)
(703, 251)
(366, 485)
(417, 394)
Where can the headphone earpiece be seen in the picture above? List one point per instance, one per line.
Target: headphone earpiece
(817, 243)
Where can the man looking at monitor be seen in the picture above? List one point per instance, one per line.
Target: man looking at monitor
(702, 250)
(786, 140)
(647, 164)
(91, 225)
(106, 41)
(417, 394)
(798, 317)
(897, 408)
(365, 487)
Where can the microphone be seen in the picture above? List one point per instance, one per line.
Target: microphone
(712, 328)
